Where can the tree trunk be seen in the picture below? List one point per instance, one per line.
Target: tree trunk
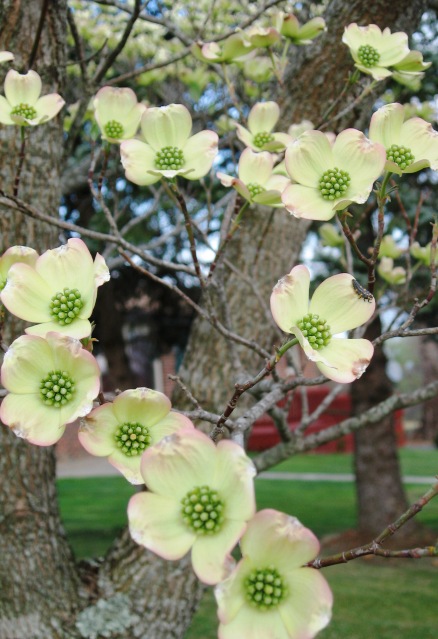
(380, 495)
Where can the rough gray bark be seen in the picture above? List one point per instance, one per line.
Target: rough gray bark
(42, 590)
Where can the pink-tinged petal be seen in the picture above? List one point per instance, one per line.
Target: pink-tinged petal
(337, 301)
(210, 553)
(6, 56)
(70, 265)
(422, 139)
(22, 88)
(111, 103)
(170, 424)
(290, 298)
(14, 255)
(78, 329)
(128, 466)
(48, 106)
(26, 294)
(5, 111)
(307, 203)
(246, 137)
(263, 117)
(199, 152)
(25, 364)
(233, 477)
(101, 271)
(269, 198)
(386, 124)
(155, 522)
(179, 463)
(30, 419)
(308, 609)
(277, 183)
(138, 159)
(290, 546)
(363, 159)
(348, 357)
(251, 624)
(166, 126)
(255, 167)
(228, 180)
(308, 157)
(141, 405)
(229, 593)
(96, 433)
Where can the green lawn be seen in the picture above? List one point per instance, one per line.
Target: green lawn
(393, 599)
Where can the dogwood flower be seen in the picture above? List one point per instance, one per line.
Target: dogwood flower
(388, 247)
(270, 595)
(199, 497)
(6, 56)
(421, 253)
(392, 274)
(256, 181)
(261, 37)
(374, 50)
(168, 149)
(123, 429)
(117, 113)
(15, 254)
(261, 121)
(51, 382)
(410, 146)
(339, 304)
(58, 292)
(290, 28)
(410, 71)
(328, 177)
(235, 47)
(22, 104)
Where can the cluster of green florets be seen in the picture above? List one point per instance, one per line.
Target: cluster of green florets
(334, 183)
(132, 438)
(65, 306)
(170, 158)
(113, 129)
(203, 510)
(315, 330)
(57, 388)
(262, 138)
(265, 589)
(400, 155)
(24, 111)
(255, 189)
(369, 56)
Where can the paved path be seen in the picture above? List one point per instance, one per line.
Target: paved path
(99, 467)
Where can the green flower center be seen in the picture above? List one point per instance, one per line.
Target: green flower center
(170, 158)
(400, 155)
(57, 389)
(369, 56)
(2, 283)
(265, 589)
(262, 138)
(315, 330)
(334, 183)
(202, 510)
(25, 111)
(66, 306)
(255, 188)
(132, 438)
(113, 129)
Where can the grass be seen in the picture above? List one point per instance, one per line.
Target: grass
(373, 598)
